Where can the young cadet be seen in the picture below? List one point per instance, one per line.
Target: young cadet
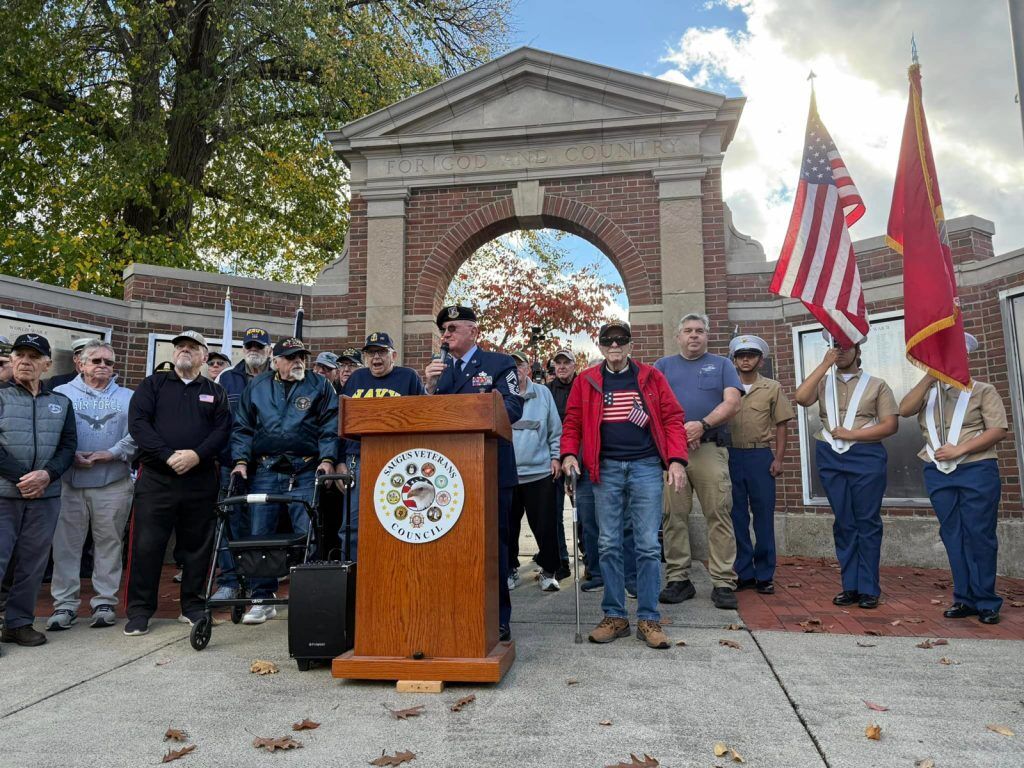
(962, 480)
(852, 463)
(763, 417)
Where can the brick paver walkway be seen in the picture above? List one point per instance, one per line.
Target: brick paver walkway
(913, 600)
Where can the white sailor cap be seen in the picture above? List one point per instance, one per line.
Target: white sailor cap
(972, 343)
(748, 344)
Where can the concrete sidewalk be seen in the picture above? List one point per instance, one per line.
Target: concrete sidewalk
(96, 698)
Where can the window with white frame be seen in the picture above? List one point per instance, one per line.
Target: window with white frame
(882, 355)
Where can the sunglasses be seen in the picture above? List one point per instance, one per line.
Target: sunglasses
(102, 361)
(611, 341)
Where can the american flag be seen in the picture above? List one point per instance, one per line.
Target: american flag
(625, 406)
(817, 264)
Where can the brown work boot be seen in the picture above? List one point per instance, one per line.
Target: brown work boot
(651, 633)
(610, 628)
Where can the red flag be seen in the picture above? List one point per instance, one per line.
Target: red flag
(933, 323)
(817, 263)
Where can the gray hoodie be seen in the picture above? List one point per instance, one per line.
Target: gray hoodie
(101, 417)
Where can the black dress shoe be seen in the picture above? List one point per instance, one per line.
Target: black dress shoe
(765, 588)
(959, 611)
(25, 635)
(988, 616)
(846, 597)
(742, 584)
(677, 592)
(724, 598)
(504, 634)
(868, 601)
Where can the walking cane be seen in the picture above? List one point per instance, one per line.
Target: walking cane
(570, 486)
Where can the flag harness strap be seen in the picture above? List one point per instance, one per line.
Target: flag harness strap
(955, 426)
(842, 446)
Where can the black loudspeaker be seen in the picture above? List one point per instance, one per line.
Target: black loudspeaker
(321, 611)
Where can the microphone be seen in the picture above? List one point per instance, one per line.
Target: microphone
(445, 353)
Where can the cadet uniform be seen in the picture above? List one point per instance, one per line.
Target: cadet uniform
(965, 493)
(854, 475)
(479, 371)
(762, 409)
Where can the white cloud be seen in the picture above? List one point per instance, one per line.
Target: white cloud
(860, 54)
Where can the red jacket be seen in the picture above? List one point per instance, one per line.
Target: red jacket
(586, 405)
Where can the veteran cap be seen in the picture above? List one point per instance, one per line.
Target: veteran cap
(32, 341)
(195, 336)
(748, 344)
(290, 348)
(256, 336)
(79, 344)
(379, 339)
(614, 325)
(219, 356)
(351, 355)
(520, 356)
(566, 353)
(448, 314)
(327, 360)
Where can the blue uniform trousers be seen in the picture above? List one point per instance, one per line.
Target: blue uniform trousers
(753, 493)
(966, 502)
(504, 599)
(855, 484)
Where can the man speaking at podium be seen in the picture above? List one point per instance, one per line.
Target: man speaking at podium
(466, 369)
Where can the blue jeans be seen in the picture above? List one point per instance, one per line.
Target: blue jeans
(353, 511)
(238, 526)
(264, 516)
(630, 491)
(586, 513)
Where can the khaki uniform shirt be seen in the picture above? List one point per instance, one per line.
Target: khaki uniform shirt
(876, 403)
(762, 409)
(984, 411)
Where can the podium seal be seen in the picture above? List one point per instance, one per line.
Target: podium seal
(424, 513)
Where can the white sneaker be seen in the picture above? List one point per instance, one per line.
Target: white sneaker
(259, 614)
(176, 578)
(61, 619)
(548, 582)
(513, 580)
(225, 593)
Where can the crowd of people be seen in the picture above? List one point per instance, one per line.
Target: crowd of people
(82, 456)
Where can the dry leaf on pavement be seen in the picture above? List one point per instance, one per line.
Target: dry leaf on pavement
(261, 667)
(177, 754)
(925, 644)
(940, 641)
(876, 707)
(731, 644)
(1016, 604)
(866, 645)
(281, 742)
(895, 623)
(604, 722)
(926, 763)
(811, 625)
(935, 602)
(175, 734)
(405, 714)
(397, 759)
(461, 703)
(636, 762)
(305, 725)
(794, 585)
(1000, 729)
(734, 627)
(572, 681)
(914, 620)
(723, 750)
(162, 662)
(681, 643)
(872, 632)
(873, 732)
(947, 662)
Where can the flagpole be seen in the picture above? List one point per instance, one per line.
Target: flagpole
(1017, 36)
(942, 416)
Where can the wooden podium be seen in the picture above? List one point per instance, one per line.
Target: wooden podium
(427, 592)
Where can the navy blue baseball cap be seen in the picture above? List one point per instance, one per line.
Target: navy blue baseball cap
(290, 348)
(256, 336)
(32, 341)
(379, 339)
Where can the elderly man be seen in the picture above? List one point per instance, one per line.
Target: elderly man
(286, 430)
(624, 422)
(180, 421)
(708, 388)
(564, 365)
(37, 445)
(536, 438)
(349, 361)
(97, 491)
(326, 364)
(382, 378)
(467, 369)
(216, 364)
(255, 360)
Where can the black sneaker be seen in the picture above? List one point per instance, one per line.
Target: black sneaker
(505, 633)
(742, 584)
(563, 571)
(677, 592)
(139, 625)
(25, 635)
(724, 598)
(765, 587)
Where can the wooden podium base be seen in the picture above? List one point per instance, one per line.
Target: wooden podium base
(489, 669)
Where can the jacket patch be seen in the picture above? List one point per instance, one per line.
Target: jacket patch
(303, 403)
(56, 408)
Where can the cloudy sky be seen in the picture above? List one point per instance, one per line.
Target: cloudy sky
(763, 50)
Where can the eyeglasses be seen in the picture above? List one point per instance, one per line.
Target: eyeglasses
(611, 341)
(452, 328)
(102, 361)
(253, 345)
(381, 353)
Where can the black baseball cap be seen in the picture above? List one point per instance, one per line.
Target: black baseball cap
(352, 355)
(221, 355)
(610, 328)
(455, 312)
(290, 348)
(32, 341)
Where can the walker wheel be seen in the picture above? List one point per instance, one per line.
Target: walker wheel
(201, 631)
(237, 612)
(304, 665)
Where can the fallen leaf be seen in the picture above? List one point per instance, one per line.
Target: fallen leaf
(461, 703)
(872, 632)
(397, 759)
(636, 762)
(175, 734)
(926, 644)
(162, 662)
(305, 725)
(734, 627)
(1016, 604)
(681, 643)
(873, 732)
(604, 722)
(177, 754)
(405, 714)
(261, 667)
(811, 625)
(926, 763)
(895, 623)
(281, 742)
(946, 661)
(935, 602)
(914, 620)
(942, 584)
(736, 757)
(731, 644)
(1000, 729)
(794, 585)
(940, 641)
(875, 707)
(572, 681)
(866, 645)
(720, 748)
(723, 750)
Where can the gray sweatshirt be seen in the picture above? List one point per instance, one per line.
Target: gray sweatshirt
(102, 420)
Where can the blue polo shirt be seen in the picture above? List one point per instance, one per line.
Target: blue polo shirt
(698, 384)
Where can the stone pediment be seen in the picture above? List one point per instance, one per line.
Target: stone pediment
(526, 91)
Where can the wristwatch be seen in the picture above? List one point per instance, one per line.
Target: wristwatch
(707, 427)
